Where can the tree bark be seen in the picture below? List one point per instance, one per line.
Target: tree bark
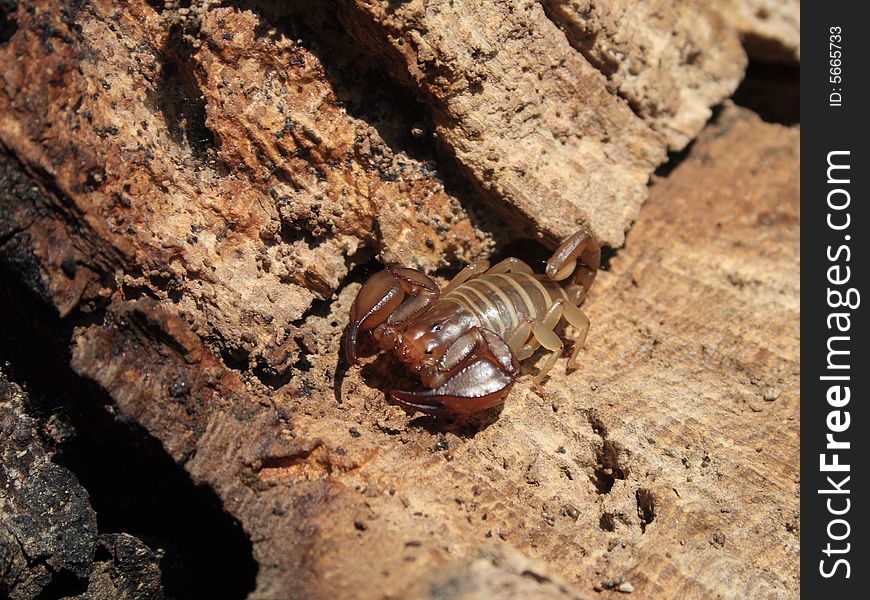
(200, 193)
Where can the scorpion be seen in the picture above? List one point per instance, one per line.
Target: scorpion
(465, 341)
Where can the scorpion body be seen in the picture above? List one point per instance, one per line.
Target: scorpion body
(502, 302)
(465, 341)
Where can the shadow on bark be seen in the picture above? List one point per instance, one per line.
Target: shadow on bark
(134, 485)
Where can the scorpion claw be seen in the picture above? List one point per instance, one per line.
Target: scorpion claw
(480, 381)
(380, 296)
(429, 409)
(391, 296)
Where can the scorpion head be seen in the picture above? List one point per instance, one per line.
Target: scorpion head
(421, 342)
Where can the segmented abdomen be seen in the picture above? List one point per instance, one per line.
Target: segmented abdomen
(502, 301)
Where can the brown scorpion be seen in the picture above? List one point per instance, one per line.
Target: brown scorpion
(465, 341)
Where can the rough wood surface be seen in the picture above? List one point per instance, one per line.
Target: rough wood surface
(240, 206)
(202, 192)
(671, 60)
(770, 29)
(521, 110)
(47, 523)
(533, 120)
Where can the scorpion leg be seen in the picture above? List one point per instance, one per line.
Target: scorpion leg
(544, 334)
(520, 336)
(467, 273)
(580, 321)
(582, 246)
(392, 296)
(474, 374)
(527, 344)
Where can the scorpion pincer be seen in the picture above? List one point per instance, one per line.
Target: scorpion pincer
(465, 341)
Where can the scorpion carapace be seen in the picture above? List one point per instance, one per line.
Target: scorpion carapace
(465, 341)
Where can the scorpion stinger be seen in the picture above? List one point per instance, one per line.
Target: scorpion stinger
(582, 246)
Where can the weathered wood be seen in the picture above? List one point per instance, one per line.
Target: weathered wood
(696, 373)
(240, 199)
(670, 59)
(522, 111)
(667, 459)
(192, 182)
(46, 522)
(770, 29)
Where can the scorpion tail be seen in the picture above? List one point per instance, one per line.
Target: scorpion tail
(582, 247)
